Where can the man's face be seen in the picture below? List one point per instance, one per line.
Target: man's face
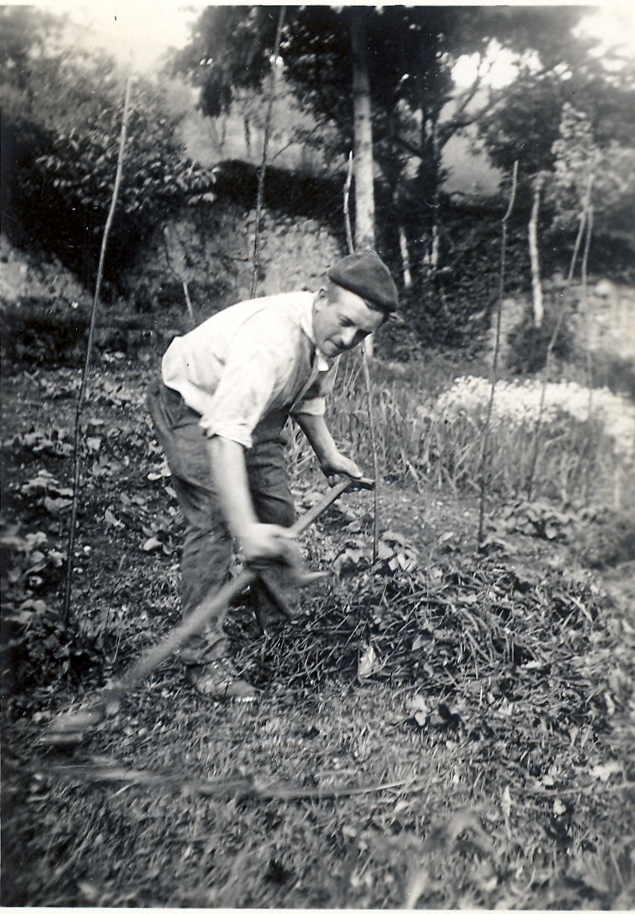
(341, 320)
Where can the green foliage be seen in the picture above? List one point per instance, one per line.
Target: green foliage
(62, 122)
(591, 179)
(39, 650)
(608, 540)
(437, 445)
(528, 344)
(411, 52)
(52, 332)
(25, 33)
(525, 119)
(453, 306)
(297, 196)
(503, 687)
(524, 124)
(43, 332)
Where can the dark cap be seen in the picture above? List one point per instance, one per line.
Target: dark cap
(367, 276)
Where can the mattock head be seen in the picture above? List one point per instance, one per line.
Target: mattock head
(364, 482)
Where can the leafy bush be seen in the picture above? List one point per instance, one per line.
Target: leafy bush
(528, 344)
(39, 650)
(44, 332)
(62, 114)
(609, 540)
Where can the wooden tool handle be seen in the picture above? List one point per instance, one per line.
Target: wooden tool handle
(109, 699)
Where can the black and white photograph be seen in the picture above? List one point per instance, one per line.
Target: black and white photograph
(318, 455)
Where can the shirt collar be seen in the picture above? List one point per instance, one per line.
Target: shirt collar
(306, 323)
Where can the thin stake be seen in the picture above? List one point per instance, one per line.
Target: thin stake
(91, 332)
(499, 310)
(585, 300)
(373, 448)
(586, 203)
(369, 402)
(587, 321)
(265, 146)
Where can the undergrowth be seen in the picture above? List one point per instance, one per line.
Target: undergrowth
(429, 432)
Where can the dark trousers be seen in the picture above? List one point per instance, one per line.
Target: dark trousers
(208, 546)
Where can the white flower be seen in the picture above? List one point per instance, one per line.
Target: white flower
(518, 403)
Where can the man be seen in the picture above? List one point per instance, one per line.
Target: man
(226, 391)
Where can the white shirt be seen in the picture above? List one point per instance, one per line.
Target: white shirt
(253, 361)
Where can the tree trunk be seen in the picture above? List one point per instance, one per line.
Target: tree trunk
(534, 255)
(364, 189)
(405, 258)
(362, 119)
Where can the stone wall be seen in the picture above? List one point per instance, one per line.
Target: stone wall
(602, 321)
(211, 250)
(606, 323)
(22, 276)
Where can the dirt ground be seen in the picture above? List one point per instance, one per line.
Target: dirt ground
(461, 767)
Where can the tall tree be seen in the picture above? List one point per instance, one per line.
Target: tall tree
(416, 105)
(363, 129)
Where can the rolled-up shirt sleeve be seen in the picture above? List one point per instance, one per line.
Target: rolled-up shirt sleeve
(247, 364)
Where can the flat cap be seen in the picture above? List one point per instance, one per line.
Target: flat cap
(367, 276)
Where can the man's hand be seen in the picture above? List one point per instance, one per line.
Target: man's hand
(262, 544)
(337, 464)
(333, 463)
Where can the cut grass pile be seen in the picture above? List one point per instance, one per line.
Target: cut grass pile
(483, 758)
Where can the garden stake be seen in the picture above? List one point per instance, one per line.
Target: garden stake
(490, 404)
(584, 217)
(89, 344)
(369, 402)
(70, 728)
(265, 145)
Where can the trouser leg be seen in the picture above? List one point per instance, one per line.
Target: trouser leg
(207, 547)
(273, 503)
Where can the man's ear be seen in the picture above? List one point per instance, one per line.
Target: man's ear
(321, 297)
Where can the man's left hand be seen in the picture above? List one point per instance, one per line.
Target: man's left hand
(339, 465)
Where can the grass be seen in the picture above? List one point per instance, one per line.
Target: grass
(442, 447)
(443, 729)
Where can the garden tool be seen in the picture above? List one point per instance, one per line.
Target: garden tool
(71, 727)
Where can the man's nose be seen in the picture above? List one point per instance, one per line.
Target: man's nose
(348, 337)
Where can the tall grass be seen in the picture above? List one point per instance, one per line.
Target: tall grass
(432, 439)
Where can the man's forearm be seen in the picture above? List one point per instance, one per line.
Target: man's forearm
(318, 435)
(332, 462)
(259, 543)
(230, 476)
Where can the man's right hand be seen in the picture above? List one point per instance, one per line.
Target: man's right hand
(263, 544)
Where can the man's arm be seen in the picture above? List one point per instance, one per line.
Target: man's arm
(259, 542)
(332, 462)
